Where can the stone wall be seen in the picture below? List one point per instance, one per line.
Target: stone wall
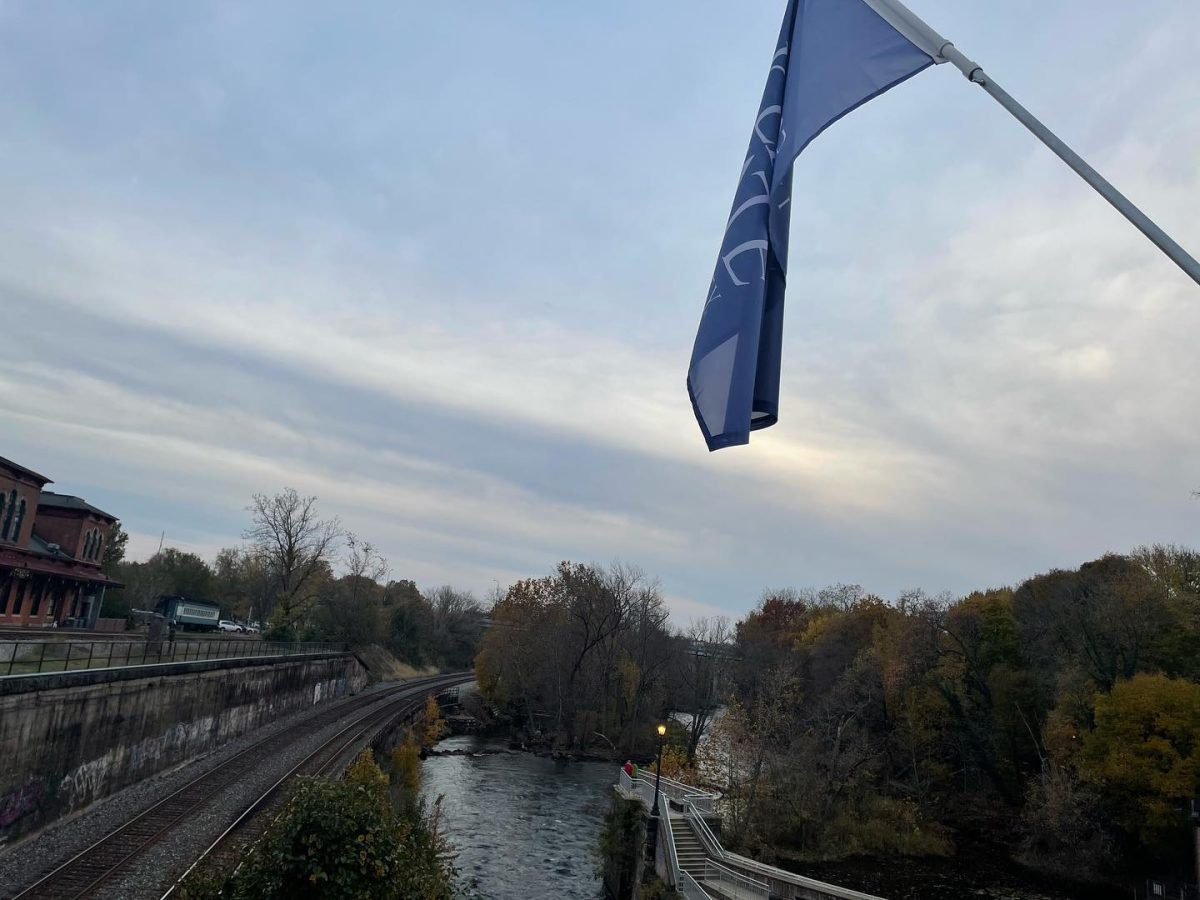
(69, 739)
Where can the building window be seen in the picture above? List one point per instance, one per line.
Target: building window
(3, 505)
(8, 514)
(99, 546)
(87, 545)
(38, 593)
(5, 587)
(20, 597)
(19, 520)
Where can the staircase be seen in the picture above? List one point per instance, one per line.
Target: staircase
(688, 848)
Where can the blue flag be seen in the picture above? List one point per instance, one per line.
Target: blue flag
(832, 56)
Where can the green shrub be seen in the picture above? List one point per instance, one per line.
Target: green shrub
(340, 841)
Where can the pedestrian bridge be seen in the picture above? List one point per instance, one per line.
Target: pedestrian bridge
(689, 857)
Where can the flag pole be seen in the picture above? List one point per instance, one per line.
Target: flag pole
(945, 51)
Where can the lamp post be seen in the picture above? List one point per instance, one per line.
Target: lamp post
(662, 733)
(652, 822)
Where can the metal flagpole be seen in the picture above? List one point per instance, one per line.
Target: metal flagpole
(942, 50)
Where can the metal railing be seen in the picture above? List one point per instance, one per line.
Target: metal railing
(730, 869)
(738, 865)
(734, 884)
(643, 787)
(667, 835)
(31, 657)
(690, 888)
(682, 880)
(712, 846)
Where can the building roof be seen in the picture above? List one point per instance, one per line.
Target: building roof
(28, 473)
(42, 547)
(51, 500)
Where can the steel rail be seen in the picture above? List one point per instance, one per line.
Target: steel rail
(253, 818)
(87, 870)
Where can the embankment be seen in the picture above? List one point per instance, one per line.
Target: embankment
(69, 739)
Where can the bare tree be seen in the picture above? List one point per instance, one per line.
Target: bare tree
(297, 545)
(707, 653)
(365, 565)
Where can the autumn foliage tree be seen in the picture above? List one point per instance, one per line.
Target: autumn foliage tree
(580, 656)
(1064, 712)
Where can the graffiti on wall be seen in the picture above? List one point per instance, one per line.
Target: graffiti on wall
(26, 799)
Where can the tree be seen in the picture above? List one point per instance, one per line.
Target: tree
(169, 571)
(351, 609)
(582, 653)
(457, 620)
(242, 583)
(409, 622)
(1108, 617)
(739, 750)
(365, 565)
(298, 548)
(433, 726)
(114, 550)
(185, 574)
(1144, 753)
(116, 601)
(705, 657)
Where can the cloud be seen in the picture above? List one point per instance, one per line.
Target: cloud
(987, 372)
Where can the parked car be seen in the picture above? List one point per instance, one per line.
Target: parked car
(226, 625)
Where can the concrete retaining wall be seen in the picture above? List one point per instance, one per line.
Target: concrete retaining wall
(69, 739)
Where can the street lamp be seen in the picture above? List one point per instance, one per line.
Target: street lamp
(652, 822)
(662, 733)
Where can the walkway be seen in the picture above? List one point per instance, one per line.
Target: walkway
(691, 859)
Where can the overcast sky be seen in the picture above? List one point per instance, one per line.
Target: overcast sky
(442, 264)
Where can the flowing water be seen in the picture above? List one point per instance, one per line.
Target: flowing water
(525, 827)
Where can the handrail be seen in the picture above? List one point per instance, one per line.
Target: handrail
(667, 834)
(711, 844)
(736, 864)
(690, 888)
(643, 786)
(736, 861)
(740, 882)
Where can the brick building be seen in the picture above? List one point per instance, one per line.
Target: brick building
(51, 547)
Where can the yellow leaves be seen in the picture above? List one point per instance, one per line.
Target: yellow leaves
(815, 628)
(433, 726)
(366, 772)
(406, 763)
(675, 764)
(1145, 750)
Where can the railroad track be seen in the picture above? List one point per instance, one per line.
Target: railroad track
(231, 845)
(93, 868)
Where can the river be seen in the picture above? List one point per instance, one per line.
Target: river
(524, 827)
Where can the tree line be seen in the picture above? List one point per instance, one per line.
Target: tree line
(1059, 720)
(306, 577)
